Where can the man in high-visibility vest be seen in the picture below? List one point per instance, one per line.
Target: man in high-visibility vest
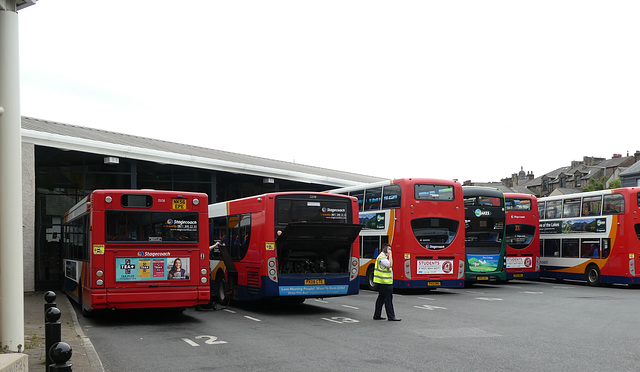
(383, 276)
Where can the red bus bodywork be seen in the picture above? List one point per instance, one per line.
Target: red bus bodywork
(423, 220)
(523, 236)
(267, 255)
(119, 247)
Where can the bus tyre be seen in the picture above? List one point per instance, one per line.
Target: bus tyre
(370, 284)
(220, 291)
(592, 275)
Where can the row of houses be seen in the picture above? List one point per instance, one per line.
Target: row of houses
(574, 177)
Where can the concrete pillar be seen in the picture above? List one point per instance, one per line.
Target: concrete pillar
(11, 261)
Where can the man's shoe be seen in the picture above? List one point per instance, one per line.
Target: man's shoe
(378, 318)
(394, 319)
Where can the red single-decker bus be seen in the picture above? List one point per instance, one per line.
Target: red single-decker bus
(125, 249)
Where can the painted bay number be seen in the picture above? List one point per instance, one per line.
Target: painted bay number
(209, 340)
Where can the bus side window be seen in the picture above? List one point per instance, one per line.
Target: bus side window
(551, 248)
(372, 199)
(217, 232)
(360, 196)
(606, 247)
(369, 245)
(613, 204)
(591, 205)
(391, 197)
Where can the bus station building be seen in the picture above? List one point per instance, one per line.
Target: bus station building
(62, 163)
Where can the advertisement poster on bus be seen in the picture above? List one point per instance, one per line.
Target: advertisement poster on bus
(152, 268)
(524, 262)
(483, 263)
(434, 267)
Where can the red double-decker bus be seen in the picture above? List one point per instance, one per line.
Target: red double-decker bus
(288, 245)
(522, 236)
(422, 219)
(125, 249)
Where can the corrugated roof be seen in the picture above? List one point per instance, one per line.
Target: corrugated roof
(98, 141)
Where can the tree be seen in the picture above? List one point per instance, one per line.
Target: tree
(599, 184)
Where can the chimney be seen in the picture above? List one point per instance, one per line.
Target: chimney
(530, 176)
(637, 156)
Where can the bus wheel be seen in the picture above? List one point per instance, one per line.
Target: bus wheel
(370, 284)
(220, 291)
(592, 275)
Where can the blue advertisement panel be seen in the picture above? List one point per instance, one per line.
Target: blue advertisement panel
(152, 268)
(311, 290)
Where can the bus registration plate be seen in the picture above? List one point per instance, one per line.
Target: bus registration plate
(482, 278)
(179, 204)
(434, 284)
(313, 281)
(518, 275)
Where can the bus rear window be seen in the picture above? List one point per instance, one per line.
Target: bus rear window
(146, 227)
(312, 210)
(434, 233)
(136, 201)
(434, 192)
(520, 236)
(518, 204)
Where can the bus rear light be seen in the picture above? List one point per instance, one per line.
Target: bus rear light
(203, 280)
(272, 272)
(272, 263)
(108, 199)
(203, 271)
(195, 201)
(99, 282)
(353, 273)
(99, 273)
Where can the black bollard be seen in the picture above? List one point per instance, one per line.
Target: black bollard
(60, 353)
(52, 330)
(49, 298)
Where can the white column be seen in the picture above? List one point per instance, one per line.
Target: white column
(11, 284)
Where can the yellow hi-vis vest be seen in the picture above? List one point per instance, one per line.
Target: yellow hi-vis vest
(382, 275)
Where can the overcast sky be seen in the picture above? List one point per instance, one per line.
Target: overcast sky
(471, 90)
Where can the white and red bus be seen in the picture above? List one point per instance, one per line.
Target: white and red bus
(422, 219)
(125, 249)
(286, 245)
(591, 236)
(522, 236)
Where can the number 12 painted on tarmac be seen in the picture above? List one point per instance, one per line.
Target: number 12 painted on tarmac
(210, 340)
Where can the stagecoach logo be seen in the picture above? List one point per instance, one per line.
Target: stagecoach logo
(332, 210)
(153, 254)
(479, 213)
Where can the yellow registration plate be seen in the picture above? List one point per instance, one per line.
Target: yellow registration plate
(313, 281)
(482, 278)
(518, 275)
(434, 284)
(179, 203)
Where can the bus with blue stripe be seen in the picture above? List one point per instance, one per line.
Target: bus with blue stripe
(285, 245)
(591, 236)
